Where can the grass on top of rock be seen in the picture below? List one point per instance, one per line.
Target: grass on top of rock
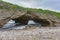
(6, 5)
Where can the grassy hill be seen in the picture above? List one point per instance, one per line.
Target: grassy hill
(7, 6)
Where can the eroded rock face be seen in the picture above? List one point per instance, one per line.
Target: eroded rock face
(32, 16)
(7, 13)
(5, 16)
(4, 21)
(23, 19)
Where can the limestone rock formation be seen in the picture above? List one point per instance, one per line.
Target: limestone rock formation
(9, 11)
(6, 15)
(23, 19)
(4, 21)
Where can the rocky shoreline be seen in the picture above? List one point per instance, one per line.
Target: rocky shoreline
(33, 33)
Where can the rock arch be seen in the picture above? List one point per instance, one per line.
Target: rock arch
(23, 19)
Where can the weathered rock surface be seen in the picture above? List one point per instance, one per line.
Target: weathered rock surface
(21, 16)
(7, 13)
(23, 19)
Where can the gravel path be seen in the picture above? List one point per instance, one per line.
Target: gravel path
(37, 33)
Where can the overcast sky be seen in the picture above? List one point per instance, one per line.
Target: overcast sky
(44, 4)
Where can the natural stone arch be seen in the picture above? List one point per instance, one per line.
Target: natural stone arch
(23, 19)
